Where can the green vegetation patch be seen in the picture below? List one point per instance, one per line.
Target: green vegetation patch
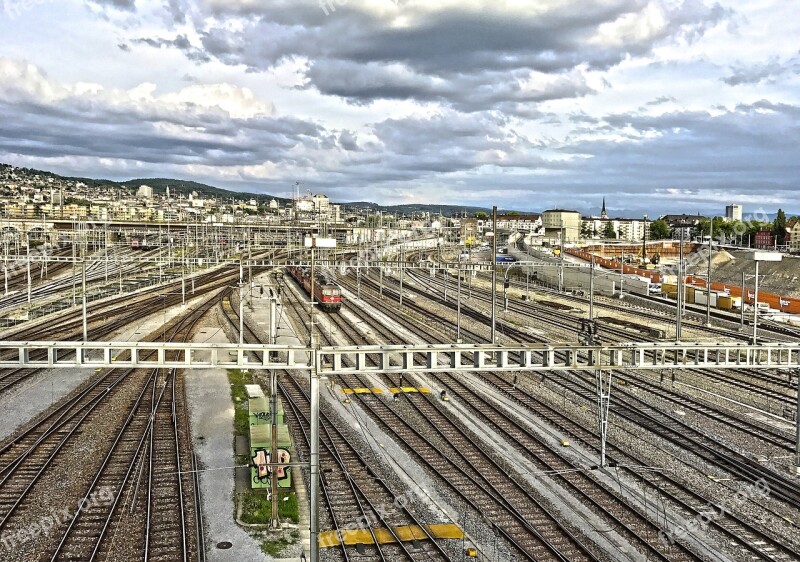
(257, 509)
(274, 547)
(241, 422)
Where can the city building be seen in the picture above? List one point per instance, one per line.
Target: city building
(624, 229)
(554, 220)
(764, 240)
(793, 236)
(685, 223)
(145, 192)
(733, 212)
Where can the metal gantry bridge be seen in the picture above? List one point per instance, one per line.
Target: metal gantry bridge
(323, 361)
(380, 359)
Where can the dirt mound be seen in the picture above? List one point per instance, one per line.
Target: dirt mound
(781, 277)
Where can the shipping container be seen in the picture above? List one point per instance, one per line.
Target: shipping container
(669, 287)
(701, 297)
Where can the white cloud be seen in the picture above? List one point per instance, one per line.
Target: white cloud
(414, 99)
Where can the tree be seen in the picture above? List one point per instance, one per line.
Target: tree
(779, 228)
(586, 230)
(608, 230)
(659, 230)
(481, 215)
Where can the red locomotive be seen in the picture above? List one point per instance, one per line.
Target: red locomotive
(326, 292)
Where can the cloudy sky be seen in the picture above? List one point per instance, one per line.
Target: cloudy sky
(659, 105)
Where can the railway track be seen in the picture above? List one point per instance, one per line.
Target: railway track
(148, 439)
(741, 380)
(542, 458)
(29, 459)
(354, 497)
(479, 480)
(735, 528)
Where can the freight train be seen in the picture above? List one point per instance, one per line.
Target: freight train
(697, 295)
(326, 292)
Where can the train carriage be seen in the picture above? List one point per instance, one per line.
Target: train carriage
(326, 292)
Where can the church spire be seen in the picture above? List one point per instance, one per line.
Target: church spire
(603, 214)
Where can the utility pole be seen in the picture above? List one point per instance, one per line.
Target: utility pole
(644, 242)
(494, 274)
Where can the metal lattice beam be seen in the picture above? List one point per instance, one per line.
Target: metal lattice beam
(402, 358)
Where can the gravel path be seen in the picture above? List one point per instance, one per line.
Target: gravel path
(211, 414)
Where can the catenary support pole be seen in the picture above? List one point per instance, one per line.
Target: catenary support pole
(755, 308)
(276, 522)
(402, 271)
(741, 308)
(591, 289)
(29, 271)
(83, 292)
(314, 476)
(708, 280)
(241, 315)
(494, 274)
(603, 404)
(679, 296)
(797, 423)
(458, 304)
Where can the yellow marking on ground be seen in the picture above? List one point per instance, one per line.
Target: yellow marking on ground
(377, 391)
(347, 390)
(409, 390)
(717, 479)
(405, 533)
(362, 391)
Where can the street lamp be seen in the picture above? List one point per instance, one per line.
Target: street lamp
(758, 257)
